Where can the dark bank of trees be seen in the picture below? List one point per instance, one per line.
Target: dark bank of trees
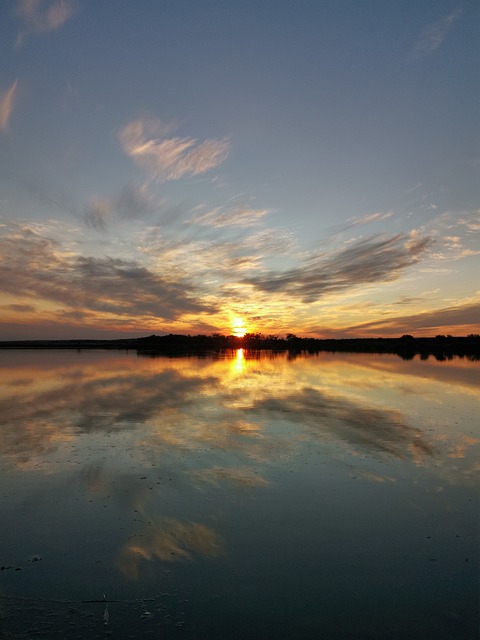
(407, 347)
(440, 346)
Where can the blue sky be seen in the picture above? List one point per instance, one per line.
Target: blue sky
(262, 166)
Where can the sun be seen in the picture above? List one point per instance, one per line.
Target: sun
(238, 328)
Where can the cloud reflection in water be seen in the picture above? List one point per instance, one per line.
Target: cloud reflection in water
(168, 540)
(166, 444)
(191, 404)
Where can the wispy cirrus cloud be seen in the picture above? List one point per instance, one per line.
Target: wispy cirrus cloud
(235, 217)
(366, 219)
(367, 261)
(434, 34)
(7, 100)
(131, 203)
(42, 16)
(170, 158)
(98, 213)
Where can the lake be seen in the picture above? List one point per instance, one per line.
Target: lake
(238, 495)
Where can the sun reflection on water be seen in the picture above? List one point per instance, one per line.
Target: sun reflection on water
(239, 362)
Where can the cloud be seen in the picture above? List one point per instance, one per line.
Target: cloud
(456, 233)
(98, 212)
(20, 308)
(367, 261)
(6, 105)
(57, 201)
(366, 219)
(426, 323)
(454, 249)
(170, 158)
(236, 217)
(409, 300)
(42, 16)
(471, 222)
(35, 266)
(434, 34)
(130, 203)
(133, 202)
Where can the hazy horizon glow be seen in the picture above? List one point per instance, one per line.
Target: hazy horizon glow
(239, 167)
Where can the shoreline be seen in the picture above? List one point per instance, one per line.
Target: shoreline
(405, 347)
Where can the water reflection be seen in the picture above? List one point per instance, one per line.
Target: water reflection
(239, 477)
(232, 404)
(239, 364)
(230, 463)
(363, 428)
(168, 540)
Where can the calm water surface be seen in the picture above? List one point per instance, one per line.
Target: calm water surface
(245, 495)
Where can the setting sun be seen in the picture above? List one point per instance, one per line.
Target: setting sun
(238, 328)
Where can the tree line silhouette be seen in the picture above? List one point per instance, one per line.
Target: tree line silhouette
(441, 347)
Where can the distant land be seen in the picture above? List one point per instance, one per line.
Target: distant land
(441, 347)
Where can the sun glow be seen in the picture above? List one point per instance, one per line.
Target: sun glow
(238, 328)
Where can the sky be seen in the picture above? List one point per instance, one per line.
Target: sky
(201, 166)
